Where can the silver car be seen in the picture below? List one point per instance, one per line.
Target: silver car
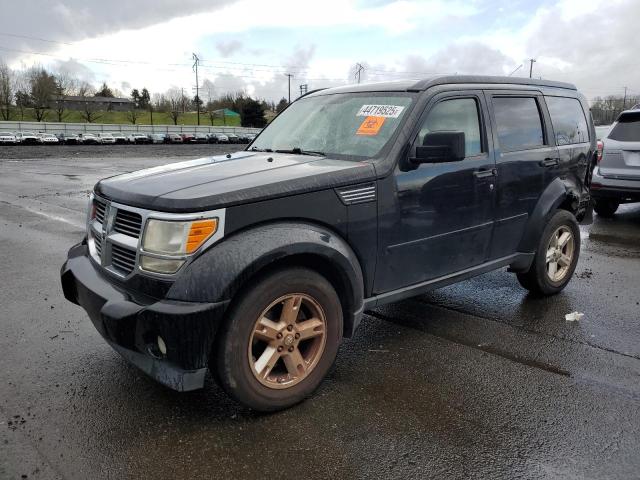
(616, 178)
(7, 138)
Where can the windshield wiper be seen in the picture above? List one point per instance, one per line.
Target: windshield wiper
(299, 151)
(256, 149)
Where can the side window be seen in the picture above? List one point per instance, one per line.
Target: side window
(518, 123)
(458, 115)
(569, 122)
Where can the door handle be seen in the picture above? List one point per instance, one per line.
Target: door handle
(550, 162)
(490, 172)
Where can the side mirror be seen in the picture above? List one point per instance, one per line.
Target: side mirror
(440, 147)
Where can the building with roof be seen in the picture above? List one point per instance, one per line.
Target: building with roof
(111, 104)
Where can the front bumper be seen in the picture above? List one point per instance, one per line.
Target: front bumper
(131, 323)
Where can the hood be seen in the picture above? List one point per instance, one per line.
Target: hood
(226, 180)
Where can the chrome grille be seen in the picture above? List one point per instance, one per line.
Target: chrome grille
(357, 193)
(123, 259)
(114, 233)
(128, 223)
(100, 209)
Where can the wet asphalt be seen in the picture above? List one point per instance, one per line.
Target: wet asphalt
(476, 380)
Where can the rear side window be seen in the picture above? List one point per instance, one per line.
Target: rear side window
(518, 123)
(569, 122)
(627, 129)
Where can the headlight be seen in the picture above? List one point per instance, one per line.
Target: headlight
(168, 238)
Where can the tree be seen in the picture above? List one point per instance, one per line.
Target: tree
(104, 91)
(85, 89)
(23, 100)
(6, 91)
(144, 99)
(42, 89)
(282, 104)
(176, 103)
(135, 96)
(252, 113)
(64, 86)
(197, 103)
(133, 114)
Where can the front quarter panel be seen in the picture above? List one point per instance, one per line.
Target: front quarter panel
(220, 272)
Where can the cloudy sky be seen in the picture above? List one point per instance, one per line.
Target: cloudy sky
(250, 44)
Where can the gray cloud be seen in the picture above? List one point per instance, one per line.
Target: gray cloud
(74, 20)
(73, 69)
(602, 48)
(226, 49)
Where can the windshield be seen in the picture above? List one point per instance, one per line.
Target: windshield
(340, 125)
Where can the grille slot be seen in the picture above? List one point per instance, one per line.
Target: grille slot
(97, 240)
(100, 209)
(357, 194)
(123, 259)
(128, 223)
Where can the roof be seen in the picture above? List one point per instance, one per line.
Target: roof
(78, 98)
(227, 112)
(421, 85)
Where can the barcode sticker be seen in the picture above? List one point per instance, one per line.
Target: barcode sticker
(387, 111)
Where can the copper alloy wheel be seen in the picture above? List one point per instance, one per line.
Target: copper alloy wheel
(287, 341)
(560, 253)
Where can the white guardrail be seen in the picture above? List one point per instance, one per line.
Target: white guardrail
(54, 127)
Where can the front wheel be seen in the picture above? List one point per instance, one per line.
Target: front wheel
(280, 340)
(556, 257)
(606, 208)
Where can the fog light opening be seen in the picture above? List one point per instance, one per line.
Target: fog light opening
(162, 346)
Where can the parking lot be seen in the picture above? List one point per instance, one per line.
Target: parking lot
(477, 380)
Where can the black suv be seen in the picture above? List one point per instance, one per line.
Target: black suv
(256, 264)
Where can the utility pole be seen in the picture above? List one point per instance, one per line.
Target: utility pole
(359, 69)
(196, 61)
(532, 61)
(624, 102)
(289, 75)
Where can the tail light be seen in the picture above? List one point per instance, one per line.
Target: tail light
(600, 150)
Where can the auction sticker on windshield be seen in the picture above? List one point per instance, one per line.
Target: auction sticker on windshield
(387, 111)
(371, 126)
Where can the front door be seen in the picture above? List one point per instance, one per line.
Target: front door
(441, 217)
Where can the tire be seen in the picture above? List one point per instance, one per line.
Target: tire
(239, 351)
(542, 279)
(606, 208)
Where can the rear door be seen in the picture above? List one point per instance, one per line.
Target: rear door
(621, 159)
(526, 159)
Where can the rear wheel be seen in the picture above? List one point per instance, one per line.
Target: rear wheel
(280, 340)
(606, 208)
(556, 257)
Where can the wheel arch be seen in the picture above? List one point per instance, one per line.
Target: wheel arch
(559, 194)
(221, 272)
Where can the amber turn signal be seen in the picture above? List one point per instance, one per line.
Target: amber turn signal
(199, 232)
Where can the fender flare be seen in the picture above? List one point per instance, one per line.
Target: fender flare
(556, 193)
(222, 270)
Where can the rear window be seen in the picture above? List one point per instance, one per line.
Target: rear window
(569, 122)
(518, 123)
(627, 129)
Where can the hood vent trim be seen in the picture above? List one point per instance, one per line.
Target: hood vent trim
(355, 194)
